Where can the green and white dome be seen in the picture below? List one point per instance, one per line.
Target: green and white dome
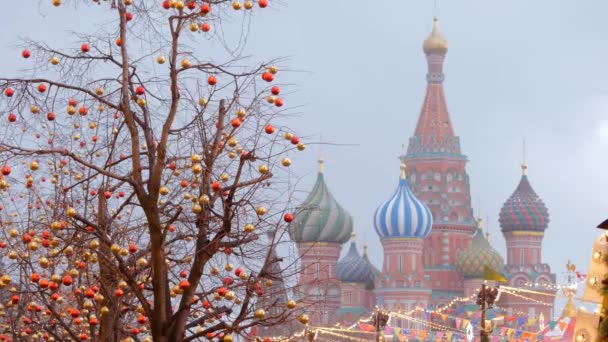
(320, 218)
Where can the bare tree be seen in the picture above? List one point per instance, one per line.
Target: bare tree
(137, 200)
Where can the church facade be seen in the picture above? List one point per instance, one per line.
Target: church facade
(434, 248)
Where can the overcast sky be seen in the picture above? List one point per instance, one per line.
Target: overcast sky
(515, 69)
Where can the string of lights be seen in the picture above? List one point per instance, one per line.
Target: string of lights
(518, 289)
(427, 323)
(527, 298)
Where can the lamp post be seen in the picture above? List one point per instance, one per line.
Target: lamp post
(485, 299)
(380, 322)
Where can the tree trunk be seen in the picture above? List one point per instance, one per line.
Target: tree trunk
(109, 327)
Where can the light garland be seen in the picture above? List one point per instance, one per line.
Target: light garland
(427, 323)
(516, 289)
(527, 298)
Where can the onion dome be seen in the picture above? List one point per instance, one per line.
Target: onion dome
(524, 210)
(354, 268)
(435, 44)
(470, 263)
(321, 218)
(403, 215)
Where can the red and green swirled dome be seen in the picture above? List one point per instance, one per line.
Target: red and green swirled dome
(524, 210)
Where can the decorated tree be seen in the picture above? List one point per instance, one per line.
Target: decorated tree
(144, 185)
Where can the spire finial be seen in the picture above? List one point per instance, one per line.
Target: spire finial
(320, 159)
(524, 164)
(353, 237)
(403, 173)
(435, 44)
(364, 249)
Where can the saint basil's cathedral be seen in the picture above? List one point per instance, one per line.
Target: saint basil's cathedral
(434, 248)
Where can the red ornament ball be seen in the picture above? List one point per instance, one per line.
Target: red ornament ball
(9, 92)
(166, 4)
(263, 3)
(72, 102)
(6, 170)
(12, 117)
(205, 8)
(50, 116)
(118, 41)
(275, 90)
(288, 217)
(216, 186)
(267, 76)
(41, 88)
(269, 129)
(191, 5)
(295, 140)
(129, 16)
(205, 27)
(212, 80)
(235, 122)
(278, 102)
(85, 48)
(140, 90)
(26, 53)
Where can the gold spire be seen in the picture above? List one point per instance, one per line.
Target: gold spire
(353, 237)
(569, 309)
(320, 161)
(524, 164)
(403, 173)
(435, 44)
(479, 222)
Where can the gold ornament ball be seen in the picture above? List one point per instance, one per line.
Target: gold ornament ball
(179, 5)
(259, 314)
(186, 63)
(71, 110)
(202, 101)
(288, 135)
(56, 2)
(163, 190)
(55, 59)
(228, 338)
(263, 169)
(229, 295)
(236, 5)
(128, 2)
(71, 212)
(291, 304)
(35, 109)
(161, 59)
(268, 282)
(273, 69)
(260, 211)
(197, 168)
(34, 166)
(304, 319)
(241, 113)
(248, 4)
(249, 228)
(286, 162)
(197, 209)
(99, 91)
(193, 27)
(224, 177)
(228, 267)
(141, 102)
(204, 199)
(301, 147)
(270, 99)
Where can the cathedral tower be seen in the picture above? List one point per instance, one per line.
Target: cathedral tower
(402, 223)
(319, 229)
(523, 220)
(436, 168)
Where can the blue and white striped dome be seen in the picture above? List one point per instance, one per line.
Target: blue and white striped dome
(403, 215)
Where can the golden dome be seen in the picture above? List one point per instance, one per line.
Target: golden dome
(435, 44)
